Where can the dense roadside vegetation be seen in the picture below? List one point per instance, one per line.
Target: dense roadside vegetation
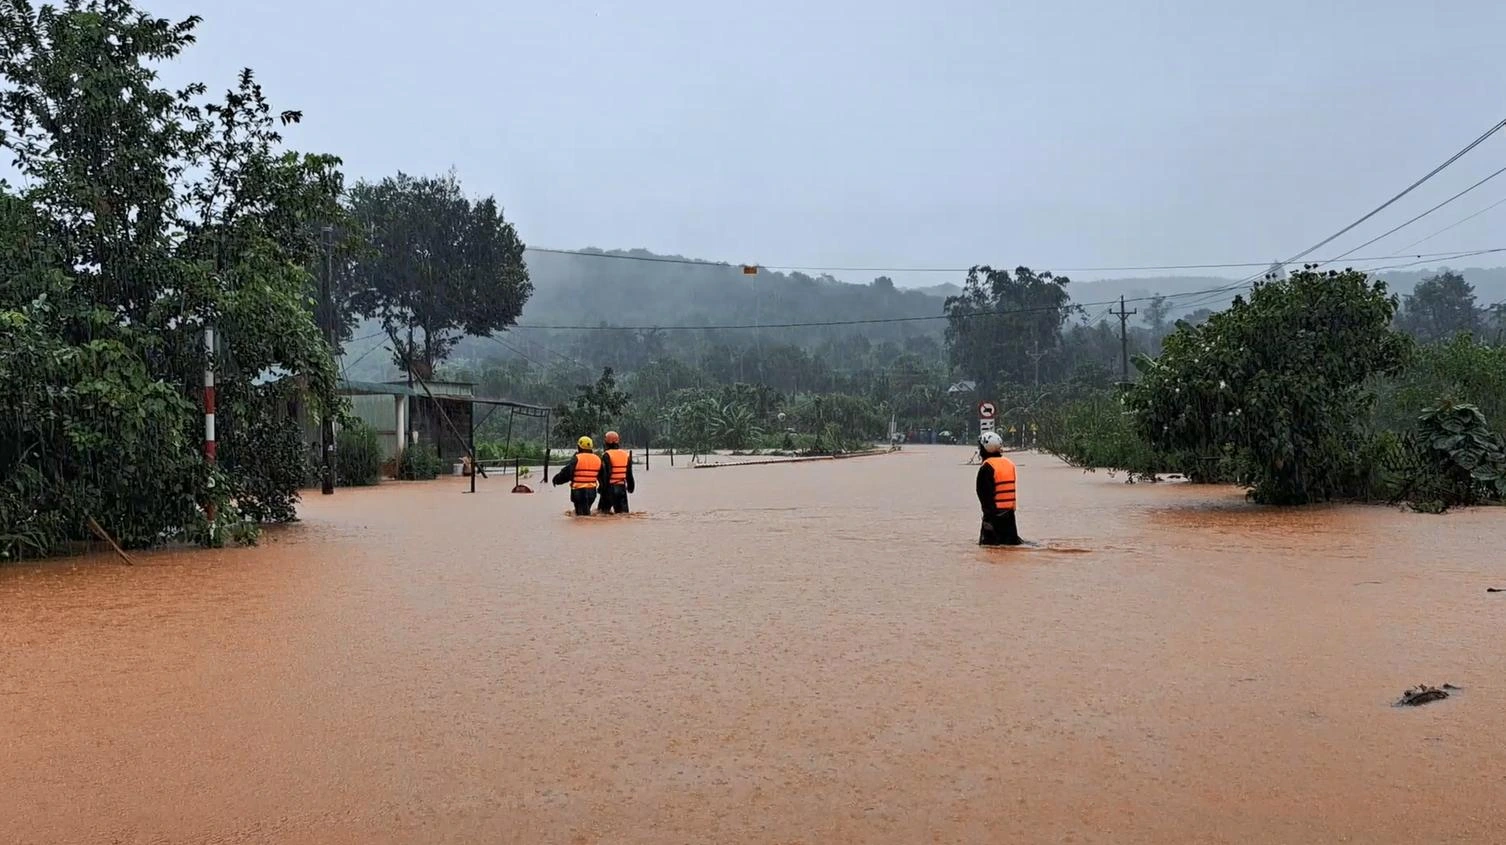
(142, 217)
(1310, 390)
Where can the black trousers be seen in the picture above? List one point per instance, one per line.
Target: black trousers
(999, 530)
(614, 499)
(582, 497)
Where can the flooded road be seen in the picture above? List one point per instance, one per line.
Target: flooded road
(800, 653)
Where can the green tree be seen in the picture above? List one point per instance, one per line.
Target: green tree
(999, 317)
(595, 408)
(145, 215)
(1157, 314)
(691, 420)
(735, 426)
(440, 266)
(1440, 308)
(1279, 383)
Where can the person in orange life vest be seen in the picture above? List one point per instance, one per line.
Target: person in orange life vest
(616, 475)
(996, 493)
(582, 473)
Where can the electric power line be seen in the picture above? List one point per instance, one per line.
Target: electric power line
(693, 262)
(1205, 293)
(516, 351)
(1415, 263)
(362, 356)
(1378, 209)
(1456, 223)
(1212, 295)
(1407, 223)
(1409, 189)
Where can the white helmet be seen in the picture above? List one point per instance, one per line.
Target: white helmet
(991, 442)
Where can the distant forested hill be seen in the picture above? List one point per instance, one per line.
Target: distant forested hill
(643, 289)
(640, 288)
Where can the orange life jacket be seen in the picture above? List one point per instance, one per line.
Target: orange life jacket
(587, 466)
(620, 459)
(1004, 480)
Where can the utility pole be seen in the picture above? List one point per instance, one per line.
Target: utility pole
(1123, 316)
(1036, 355)
(326, 304)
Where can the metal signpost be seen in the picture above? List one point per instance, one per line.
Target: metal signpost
(986, 414)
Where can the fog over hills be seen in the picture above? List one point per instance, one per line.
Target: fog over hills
(643, 289)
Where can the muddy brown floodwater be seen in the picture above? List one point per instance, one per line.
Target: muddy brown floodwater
(807, 653)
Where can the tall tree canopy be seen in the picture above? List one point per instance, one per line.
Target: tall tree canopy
(145, 215)
(1440, 307)
(999, 318)
(439, 265)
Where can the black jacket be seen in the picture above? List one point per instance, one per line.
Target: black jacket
(986, 487)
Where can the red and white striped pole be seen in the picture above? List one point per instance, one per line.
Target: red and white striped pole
(209, 445)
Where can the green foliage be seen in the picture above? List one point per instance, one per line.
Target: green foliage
(1458, 460)
(1460, 366)
(735, 427)
(1278, 384)
(591, 290)
(262, 451)
(145, 215)
(492, 450)
(358, 455)
(690, 421)
(595, 408)
(440, 265)
(998, 318)
(419, 462)
(87, 430)
(859, 419)
(1098, 433)
(1439, 308)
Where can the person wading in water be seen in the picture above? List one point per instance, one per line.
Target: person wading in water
(581, 473)
(996, 493)
(616, 475)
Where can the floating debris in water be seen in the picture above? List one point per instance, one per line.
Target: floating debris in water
(1424, 694)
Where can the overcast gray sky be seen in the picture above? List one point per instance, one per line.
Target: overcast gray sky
(874, 132)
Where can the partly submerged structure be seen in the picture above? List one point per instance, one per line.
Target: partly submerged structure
(442, 413)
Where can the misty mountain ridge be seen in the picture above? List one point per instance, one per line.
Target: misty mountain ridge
(648, 289)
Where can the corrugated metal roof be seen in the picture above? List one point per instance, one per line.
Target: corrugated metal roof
(369, 388)
(376, 388)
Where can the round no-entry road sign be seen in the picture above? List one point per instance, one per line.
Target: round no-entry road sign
(986, 410)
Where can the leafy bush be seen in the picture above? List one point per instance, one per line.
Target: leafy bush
(263, 452)
(1461, 367)
(592, 411)
(420, 462)
(1097, 433)
(142, 216)
(1278, 384)
(88, 430)
(491, 450)
(1451, 459)
(691, 420)
(735, 427)
(358, 456)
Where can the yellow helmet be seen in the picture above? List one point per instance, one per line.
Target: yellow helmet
(584, 443)
(612, 438)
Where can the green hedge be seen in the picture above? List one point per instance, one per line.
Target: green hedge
(358, 456)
